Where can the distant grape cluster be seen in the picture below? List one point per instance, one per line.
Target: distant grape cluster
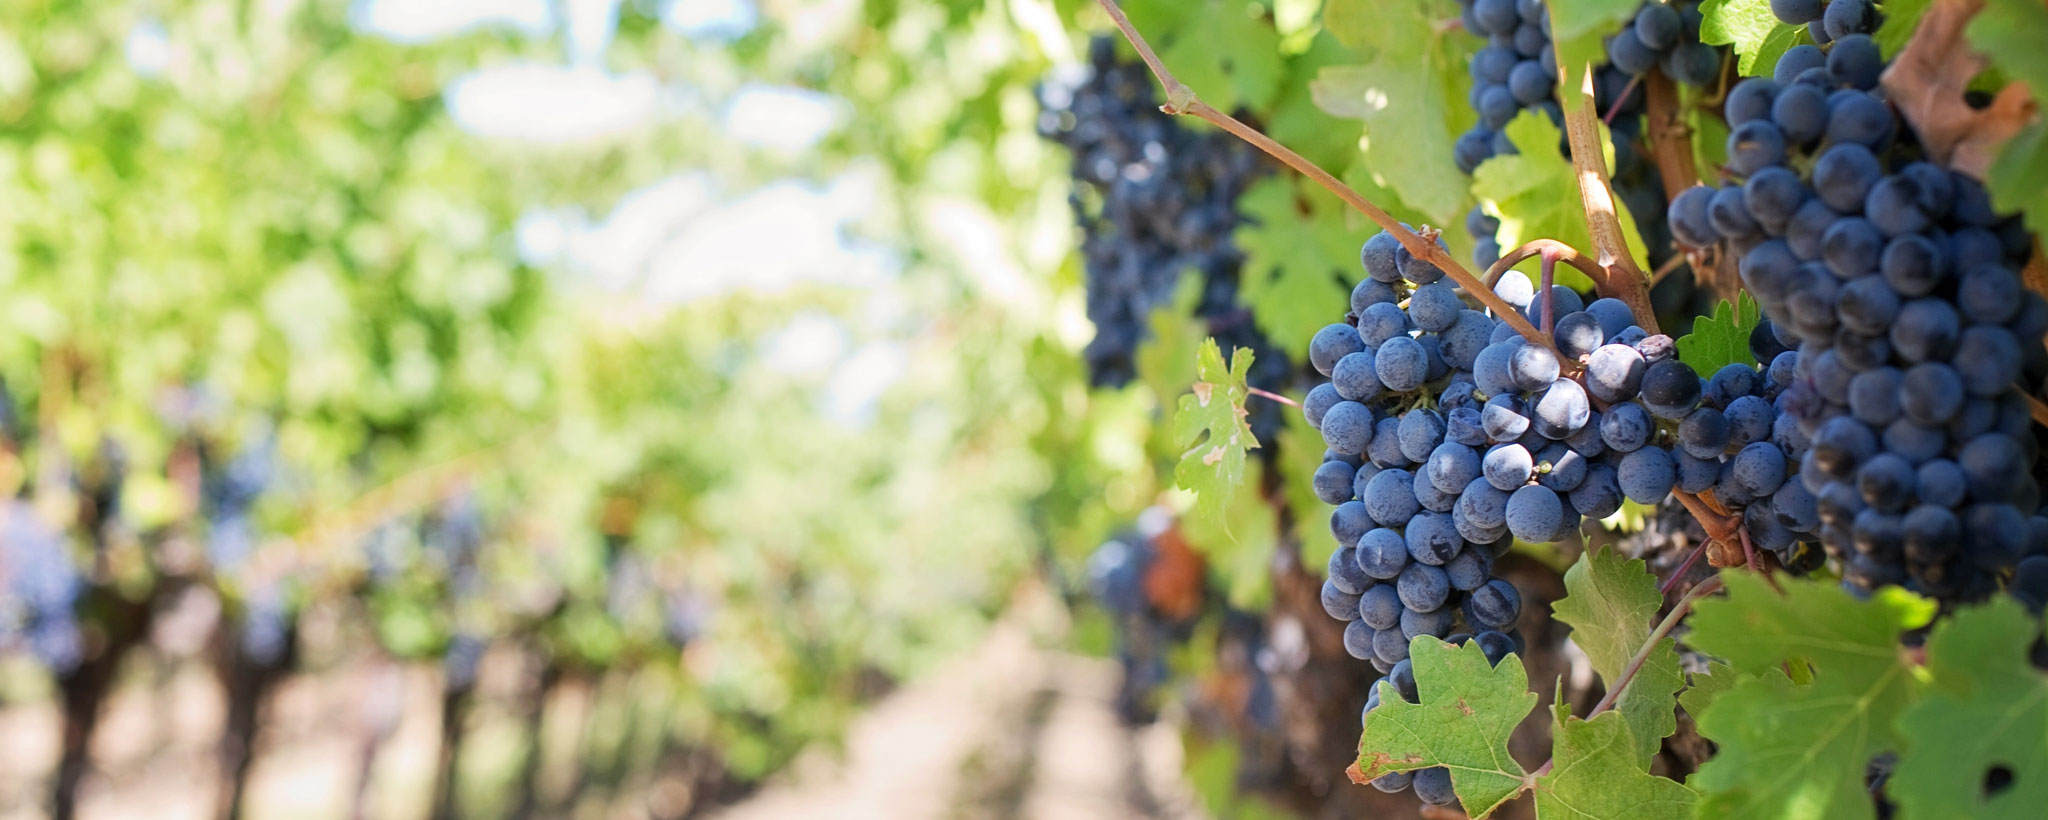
(1898, 286)
(41, 586)
(1153, 199)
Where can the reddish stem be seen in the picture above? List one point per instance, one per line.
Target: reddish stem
(1272, 396)
(1615, 107)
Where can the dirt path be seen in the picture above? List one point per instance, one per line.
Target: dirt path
(1006, 732)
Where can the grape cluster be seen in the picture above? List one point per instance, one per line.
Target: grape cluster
(1897, 285)
(1516, 69)
(1153, 199)
(42, 586)
(1666, 36)
(1409, 563)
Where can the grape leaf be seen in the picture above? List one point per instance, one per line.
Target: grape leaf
(1900, 18)
(2010, 33)
(1722, 339)
(1706, 686)
(1986, 707)
(1239, 543)
(1791, 750)
(1595, 775)
(1211, 430)
(1229, 61)
(1578, 27)
(1535, 194)
(1468, 709)
(1758, 36)
(1403, 93)
(1295, 249)
(1611, 604)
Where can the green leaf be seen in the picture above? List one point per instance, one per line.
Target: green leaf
(1758, 36)
(1211, 431)
(1706, 686)
(1578, 27)
(1405, 92)
(1239, 544)
(1901, 18)
(1596, 775)
(1166, 359)
(1228, 59)
(1800, 751)
(1297, 123)
(1987, 706)
(1468, 709)
(1296, 250)
(1722, 339)
(2009, 34)
(1611, 604)
(1536, 194)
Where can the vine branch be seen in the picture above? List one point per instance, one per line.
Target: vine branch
(1271, 396)
(1181, 100)
(1582, 131)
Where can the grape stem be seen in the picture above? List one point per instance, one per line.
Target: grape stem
(1181, 100)
(1549, 297)
(1635, 664)
(1596, 198)
(1677, 575)
(1615, 107)
(1271, 396)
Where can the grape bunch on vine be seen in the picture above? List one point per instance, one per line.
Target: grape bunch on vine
(1852, 437)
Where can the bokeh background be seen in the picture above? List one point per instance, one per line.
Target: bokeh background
(548, 408)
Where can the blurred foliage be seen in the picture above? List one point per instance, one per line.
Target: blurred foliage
(282, 237)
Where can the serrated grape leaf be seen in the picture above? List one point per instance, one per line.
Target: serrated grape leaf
(1578, 27)
(1536, 195)
(1227, 59)
(1758, 36)
(1900, 18)
(1611, 603)
(1211, 431)
(1986, 706)
(1405, 93)
(1721, 339)
(1801, 751)
(1301, 452)
(1595, 775)
(1706, 686)
(1296, 250)
(1468, 709)
(2010, 33)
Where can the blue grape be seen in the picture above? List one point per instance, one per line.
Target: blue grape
(1495, 605)
(1333, 482)
(1390, 498)
(1348, 427)
(1646, 475)
(1380, 607)
(1534, 513)
(1356, 378)
(1339, 604)
(1423, 587)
